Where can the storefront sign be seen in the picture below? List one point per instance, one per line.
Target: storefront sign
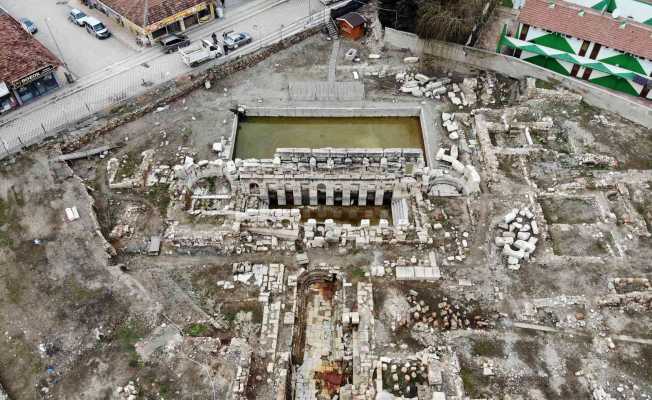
(185, 13)
(33, 76)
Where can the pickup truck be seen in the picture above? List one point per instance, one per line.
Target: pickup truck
(200, 52)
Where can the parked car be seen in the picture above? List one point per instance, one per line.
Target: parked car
(173, 42)
(77, 17)
(28, 25)
(200, 52)
(233, 40)
(96, 27)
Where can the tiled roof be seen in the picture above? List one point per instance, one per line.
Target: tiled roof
(20, 53)
(633, 37)
(353, 18)
(147, 12)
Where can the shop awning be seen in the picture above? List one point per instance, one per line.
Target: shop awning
(4, 90)
(574, 59)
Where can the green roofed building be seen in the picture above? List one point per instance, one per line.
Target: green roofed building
(606, 42)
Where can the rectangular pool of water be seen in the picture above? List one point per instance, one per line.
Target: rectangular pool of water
(259, 137)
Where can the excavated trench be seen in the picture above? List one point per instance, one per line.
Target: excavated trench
(304, 282)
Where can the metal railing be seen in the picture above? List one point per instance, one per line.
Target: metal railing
(48, 121)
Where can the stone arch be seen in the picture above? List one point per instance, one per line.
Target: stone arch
(321, 193)
(443, 182)
(371, 195)
(388, 194)
(254, 188)
(289, 194)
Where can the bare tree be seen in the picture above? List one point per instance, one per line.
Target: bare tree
(448, 20)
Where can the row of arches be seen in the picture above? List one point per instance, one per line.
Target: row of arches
(322, 194)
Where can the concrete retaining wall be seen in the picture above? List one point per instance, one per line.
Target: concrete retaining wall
(372, 111)
(234, 132)
(430, 132)
(632, 108)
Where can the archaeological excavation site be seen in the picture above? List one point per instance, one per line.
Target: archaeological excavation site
(333, 220)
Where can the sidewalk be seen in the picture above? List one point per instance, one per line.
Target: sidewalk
(267, 19)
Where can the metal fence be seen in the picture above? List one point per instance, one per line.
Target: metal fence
(47, 121)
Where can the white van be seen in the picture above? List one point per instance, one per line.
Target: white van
(96, 27)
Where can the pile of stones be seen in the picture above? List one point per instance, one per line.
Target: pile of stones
(446, 316)
(518, 236)
(128, 392)
(452, 126)
(401, 378)
(420, 85)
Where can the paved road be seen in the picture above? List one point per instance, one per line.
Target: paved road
(83, 53)
(264, 19)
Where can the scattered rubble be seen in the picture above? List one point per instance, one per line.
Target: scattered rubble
(518, 236)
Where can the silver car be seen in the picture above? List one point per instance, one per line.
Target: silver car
(77, 17)
(96, 28)
(233, 40)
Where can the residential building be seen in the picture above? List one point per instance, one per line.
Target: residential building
(155, 18)
(599, 43)
(28, 70)
(352, 25)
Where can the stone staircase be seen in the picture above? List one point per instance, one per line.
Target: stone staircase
(332, 29)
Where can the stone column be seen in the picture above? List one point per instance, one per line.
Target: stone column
(330, 195)
(263, 192)
(313, 195)
(296, 193)
(346, 195)
(362, 196)
(379, 196)
(280, 196)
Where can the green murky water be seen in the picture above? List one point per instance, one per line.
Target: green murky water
(259, 137)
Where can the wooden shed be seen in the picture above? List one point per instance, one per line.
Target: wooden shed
(352, 25)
